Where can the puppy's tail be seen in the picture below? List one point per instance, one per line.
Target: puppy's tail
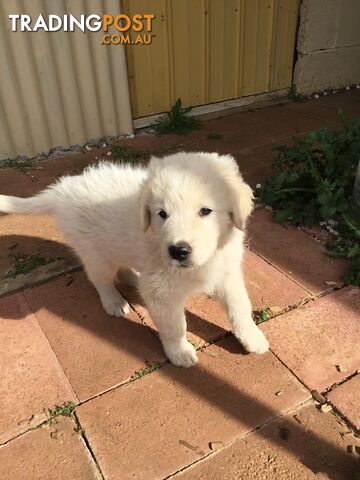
(41, 203)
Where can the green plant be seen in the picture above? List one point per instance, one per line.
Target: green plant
(293, 95)
(64, 410)
(262, 316)
(144, 371)
(313, 182)
(214, 136)
(177, 121)
(25, 264)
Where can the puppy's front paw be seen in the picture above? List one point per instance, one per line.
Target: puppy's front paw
(181, 354)
(253, 340)
(116, 307)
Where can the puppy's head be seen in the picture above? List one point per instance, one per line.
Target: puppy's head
(191, 202)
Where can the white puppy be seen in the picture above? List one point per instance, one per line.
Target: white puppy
(178, 225)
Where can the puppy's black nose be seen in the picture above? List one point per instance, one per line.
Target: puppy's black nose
(180, 251)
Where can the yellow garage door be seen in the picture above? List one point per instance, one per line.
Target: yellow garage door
(207, 51)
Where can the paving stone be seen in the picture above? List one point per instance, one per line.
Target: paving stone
(56, 452)
(31, 379)
(294, 252)
(314, 339)
(95, 350)
(29, 235)
(283, 450)
(346, 399)
(160, 423)
(267, 286)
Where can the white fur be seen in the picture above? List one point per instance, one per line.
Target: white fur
(109, 215)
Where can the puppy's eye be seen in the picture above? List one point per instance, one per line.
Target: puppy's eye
(162, 214)
(204, 212)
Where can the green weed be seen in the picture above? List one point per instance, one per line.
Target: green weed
(144, 371)
(64, 410)
(313, 182)
(25, 264)
(294, 96)
(262, 316)
(177, 121)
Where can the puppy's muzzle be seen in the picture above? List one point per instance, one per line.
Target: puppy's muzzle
(180, 252)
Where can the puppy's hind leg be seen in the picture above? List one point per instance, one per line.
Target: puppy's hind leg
(103, 277)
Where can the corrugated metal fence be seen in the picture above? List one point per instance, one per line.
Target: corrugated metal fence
(59, 88)
(209, 51)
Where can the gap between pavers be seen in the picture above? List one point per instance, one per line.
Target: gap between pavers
(346, 399)
(226, 395)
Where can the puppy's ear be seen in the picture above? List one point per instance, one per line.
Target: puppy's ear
(145, 214)
(241, 195)
(242, 198)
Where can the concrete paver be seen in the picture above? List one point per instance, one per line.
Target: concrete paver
(283, 450)
(294, 252)
(346, 399)
(158, 424)
(313, 340)
(95, 350)
(53, 452)
(31, 379)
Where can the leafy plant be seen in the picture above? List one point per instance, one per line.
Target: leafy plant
(177, 121)
(64, 410)
(294, 95)
(25, 264)
(313, 181)
(262, 316)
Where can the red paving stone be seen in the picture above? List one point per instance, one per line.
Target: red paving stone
(95, 350)
(56, 452)
(160, 423)
(29, 235)
(284, 450)
(346, 399)
(314, 339)
(294, 252)
(31, 378)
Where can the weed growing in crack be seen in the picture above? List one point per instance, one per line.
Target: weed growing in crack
(25, 264)
(262, 316)
(66, 409)
(146, 370)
